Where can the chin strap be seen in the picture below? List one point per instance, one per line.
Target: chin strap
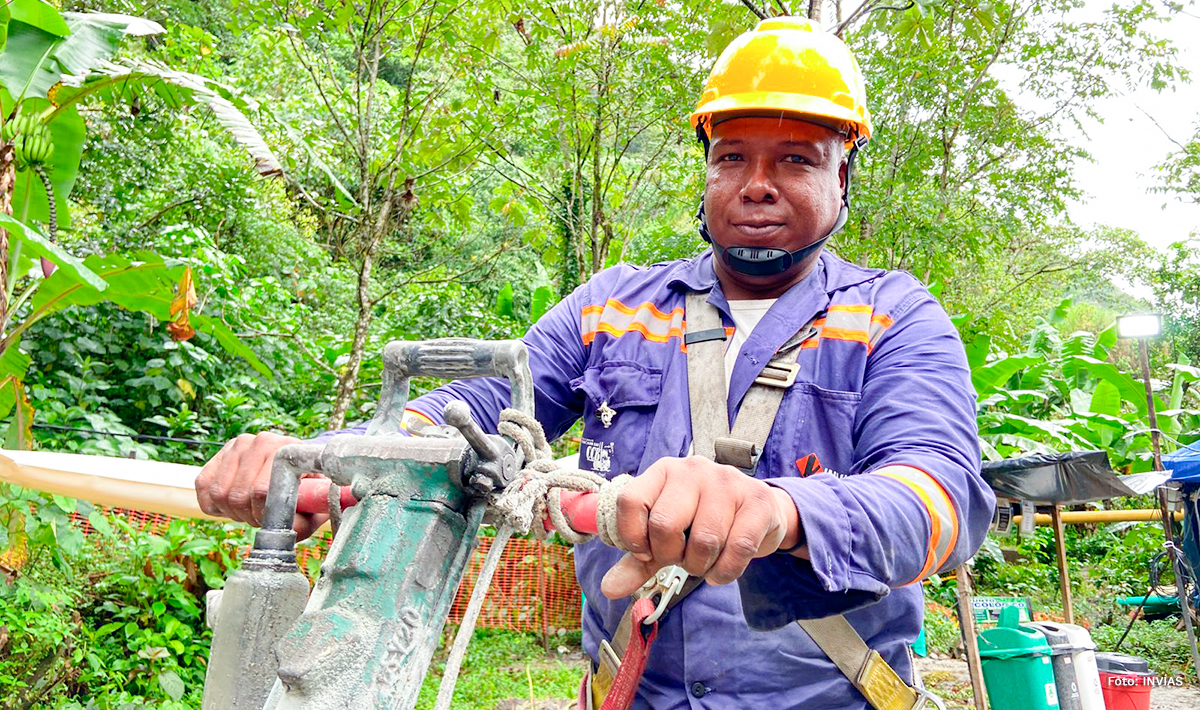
(768, 261)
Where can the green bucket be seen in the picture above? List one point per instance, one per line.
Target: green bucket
(1016, 665)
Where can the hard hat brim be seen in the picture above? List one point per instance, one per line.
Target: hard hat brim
(806, 108)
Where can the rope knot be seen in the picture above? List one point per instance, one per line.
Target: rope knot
(535, 494)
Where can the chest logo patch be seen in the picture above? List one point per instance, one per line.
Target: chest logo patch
(809, 465)
(597, 453)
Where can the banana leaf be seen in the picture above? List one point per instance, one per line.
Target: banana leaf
(34, 244)
(144, 282)
(177, 88)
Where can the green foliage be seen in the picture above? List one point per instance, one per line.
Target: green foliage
(42, 48)
(603, 152)
(1061, 394)
(111, 619)
(1157, 641)
(49, 63)
(941, 632)
(967, 178)
(1175, 278)
(1180, 172)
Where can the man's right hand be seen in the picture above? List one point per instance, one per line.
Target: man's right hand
(234, 483)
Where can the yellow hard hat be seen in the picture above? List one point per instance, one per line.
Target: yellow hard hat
(789, 66)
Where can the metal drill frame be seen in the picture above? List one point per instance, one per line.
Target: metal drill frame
(374, 619)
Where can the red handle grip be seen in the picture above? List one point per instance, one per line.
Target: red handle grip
(578, 507)
(313, 496)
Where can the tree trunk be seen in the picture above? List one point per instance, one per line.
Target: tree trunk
(349, 377)
(814, 10)
(8, 183)
(597, 240)
(376, 228)
(566, 223)
(865, 232)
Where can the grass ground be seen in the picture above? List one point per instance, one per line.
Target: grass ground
(503, 666)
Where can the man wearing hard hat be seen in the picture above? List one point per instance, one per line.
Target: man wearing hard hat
(797, 424)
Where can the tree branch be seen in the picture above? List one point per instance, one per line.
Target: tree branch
(154, 217)
(757, 13)
(454, 277)
(333, 114)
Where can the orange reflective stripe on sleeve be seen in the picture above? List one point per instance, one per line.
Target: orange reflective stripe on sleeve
(943, 522)
(846, 322)
(411, 417)
(857, 308)
(855, 323)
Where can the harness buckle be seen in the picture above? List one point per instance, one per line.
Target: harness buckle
(667, 583)
(778, 374)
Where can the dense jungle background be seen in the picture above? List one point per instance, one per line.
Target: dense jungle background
(244, 200)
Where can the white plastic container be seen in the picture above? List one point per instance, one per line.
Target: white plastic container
(1083, 657)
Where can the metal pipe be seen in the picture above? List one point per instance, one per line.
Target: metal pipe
(1151, 413)
(276, 539)
(1085, 517)
(1174, 553)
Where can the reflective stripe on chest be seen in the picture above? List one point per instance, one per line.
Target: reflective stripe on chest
(857, 323)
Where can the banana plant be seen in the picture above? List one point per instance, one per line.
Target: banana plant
(50, 62)
(1062, 394)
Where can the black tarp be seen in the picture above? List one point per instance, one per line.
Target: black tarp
(1056, 479)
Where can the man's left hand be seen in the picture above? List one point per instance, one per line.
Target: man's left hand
(710, 519)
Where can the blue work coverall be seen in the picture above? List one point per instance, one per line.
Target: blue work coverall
(885, 384)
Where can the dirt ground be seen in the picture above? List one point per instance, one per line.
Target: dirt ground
(950, 680)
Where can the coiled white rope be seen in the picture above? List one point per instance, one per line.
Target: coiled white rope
(527, 501)
(521, 507)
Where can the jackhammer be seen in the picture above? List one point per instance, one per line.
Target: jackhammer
(366, 634)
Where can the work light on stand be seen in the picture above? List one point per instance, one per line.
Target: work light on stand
(1143, 327)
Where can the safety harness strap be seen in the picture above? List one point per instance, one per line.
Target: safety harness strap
(756, 417)
(706, 375)
(865, 668)
(624, 686)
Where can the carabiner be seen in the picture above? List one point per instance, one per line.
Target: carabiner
(667, 582)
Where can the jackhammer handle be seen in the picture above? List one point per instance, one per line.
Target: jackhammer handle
(313, 496)
(579, 508)
(449, 358)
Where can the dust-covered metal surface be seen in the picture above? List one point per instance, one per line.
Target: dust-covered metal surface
(449, 358)
(259, 604)
(375, 617)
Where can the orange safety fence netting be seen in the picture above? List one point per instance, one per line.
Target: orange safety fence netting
(534, 588)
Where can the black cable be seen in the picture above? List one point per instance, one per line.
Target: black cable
(1155, 569)
(137, 437)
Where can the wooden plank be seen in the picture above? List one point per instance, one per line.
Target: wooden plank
(966, 622)
(1060, 551)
